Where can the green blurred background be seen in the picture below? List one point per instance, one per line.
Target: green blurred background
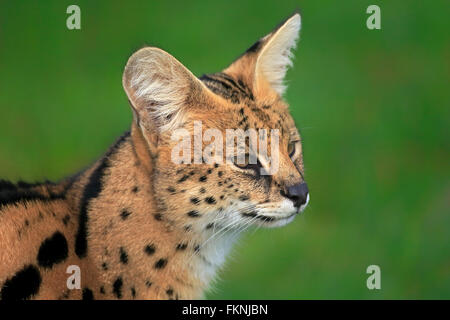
(372, 107)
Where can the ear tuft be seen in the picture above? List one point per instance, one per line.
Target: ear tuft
(276, 55)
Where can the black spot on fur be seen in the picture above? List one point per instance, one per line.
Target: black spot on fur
(181, 246)
(197, 248)
(104, 266)
(158, 216)
(210, 200)
(243, 198)
(148, 284)
(193, 214)
(187, 228)
(53, 250)
(92, 191)
(195, 200)
(202, 190)
(135, 189)
(171, 189)
(23, 285)
(203, 179)
(117, 287)
(125, 214)
(87, 294)
(133, 292)
(183, 178)
(209, 226)
(123, 255)
(161, 263)
(102, 290)
(169, 292)
(220, 173)
(150, 249)
(66, 219)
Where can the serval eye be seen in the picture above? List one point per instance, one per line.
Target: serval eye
(291, 149)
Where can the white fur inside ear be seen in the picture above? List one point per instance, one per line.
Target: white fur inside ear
(161, 84)
(276, 55)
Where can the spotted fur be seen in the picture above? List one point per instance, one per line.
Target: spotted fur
(138, 225)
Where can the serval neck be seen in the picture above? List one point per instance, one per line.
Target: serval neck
(125, 233)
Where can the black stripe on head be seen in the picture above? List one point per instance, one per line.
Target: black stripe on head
(227, 87)
(212, 78)
(222, 88)
(91, 191)
(243, 88)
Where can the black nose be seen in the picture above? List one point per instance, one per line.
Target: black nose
(298, 193)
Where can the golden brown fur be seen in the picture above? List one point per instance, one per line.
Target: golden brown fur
(138, 225)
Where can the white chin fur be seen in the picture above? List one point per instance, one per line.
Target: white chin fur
(303, 206)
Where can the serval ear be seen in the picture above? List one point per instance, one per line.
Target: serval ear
(264, 65)
(160, 89)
